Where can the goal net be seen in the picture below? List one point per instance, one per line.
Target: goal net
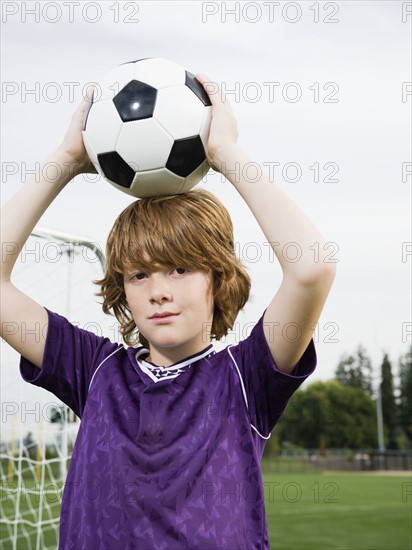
(38, 431)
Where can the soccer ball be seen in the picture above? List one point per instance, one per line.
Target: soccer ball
(146, 128)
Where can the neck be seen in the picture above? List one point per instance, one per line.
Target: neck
(164, 357)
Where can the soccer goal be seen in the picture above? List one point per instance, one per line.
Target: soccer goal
(37, 430)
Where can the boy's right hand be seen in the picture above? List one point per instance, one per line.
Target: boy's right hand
(72, 145)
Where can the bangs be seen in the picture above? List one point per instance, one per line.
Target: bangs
(158, 234)
(148, 251)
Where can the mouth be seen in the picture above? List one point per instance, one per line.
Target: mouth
(165, 316)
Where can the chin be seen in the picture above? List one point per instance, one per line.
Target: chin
(166, 342)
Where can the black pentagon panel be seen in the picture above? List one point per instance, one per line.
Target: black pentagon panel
(116, 169)
(186, 155)
(86, 112)
(197, 88)
(135, 101)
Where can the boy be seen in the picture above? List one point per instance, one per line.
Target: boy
(172, 433)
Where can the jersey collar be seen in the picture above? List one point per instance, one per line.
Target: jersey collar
(157, 373)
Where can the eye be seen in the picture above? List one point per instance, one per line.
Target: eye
(180, 270)
(139, 276)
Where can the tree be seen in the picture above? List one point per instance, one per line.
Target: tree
(389, 411)
(330, 414)
(356, 371)
(405, 397)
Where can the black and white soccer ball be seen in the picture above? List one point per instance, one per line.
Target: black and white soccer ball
(147, 127)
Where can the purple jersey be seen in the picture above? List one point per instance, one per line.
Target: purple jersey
(165, 458)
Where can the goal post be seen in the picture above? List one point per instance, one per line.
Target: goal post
(74, 240)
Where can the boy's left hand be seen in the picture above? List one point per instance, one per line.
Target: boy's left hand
(223, 132)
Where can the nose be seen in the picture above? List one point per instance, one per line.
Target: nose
(159, 288)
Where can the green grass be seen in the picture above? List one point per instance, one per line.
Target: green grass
(325, 511)
(312, 510)
(29, 510)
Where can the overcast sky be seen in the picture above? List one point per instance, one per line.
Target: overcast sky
(311, 83)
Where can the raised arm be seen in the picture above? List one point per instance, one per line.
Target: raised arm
(292, 314)
(22, 319)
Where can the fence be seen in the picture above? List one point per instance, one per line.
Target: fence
(342, 460)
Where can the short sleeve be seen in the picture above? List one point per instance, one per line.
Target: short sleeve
(71, 356)
(267, 389)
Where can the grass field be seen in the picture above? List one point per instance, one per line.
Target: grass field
(325, 511)
(320, 511)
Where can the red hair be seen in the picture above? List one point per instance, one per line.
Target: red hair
(192, 230)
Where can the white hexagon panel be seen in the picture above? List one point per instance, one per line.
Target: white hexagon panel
(135, 144)
(150, 138)
(104, 125)
(148, 182)
(171, 120)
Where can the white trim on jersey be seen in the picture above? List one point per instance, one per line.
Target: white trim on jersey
(244, 392)
(105, 359)
(173, 371)
(146, 369)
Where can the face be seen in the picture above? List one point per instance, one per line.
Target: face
(173, 308)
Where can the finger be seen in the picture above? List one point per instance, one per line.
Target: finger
(203, 78)
(88, 96)
(216, 95)
(84, 104)
(211, 87)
